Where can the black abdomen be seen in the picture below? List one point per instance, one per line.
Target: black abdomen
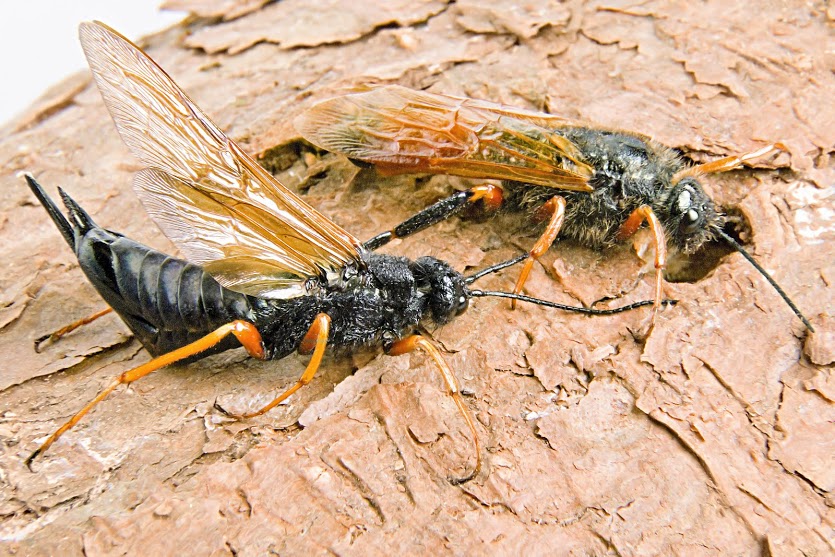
(166, 302)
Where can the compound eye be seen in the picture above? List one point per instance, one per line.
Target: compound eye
(463, 304)
(690, 221)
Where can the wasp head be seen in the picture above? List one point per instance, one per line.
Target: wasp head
(444, 287)
(693, 218)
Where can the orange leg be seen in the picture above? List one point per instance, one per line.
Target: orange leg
(729, 163)
(54, 336)
(492, 196)
(409, 344)
(317, 336)
(245, 332)
(628, 228)
(556, 208)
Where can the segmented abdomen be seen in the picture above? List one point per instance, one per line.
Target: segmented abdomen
(166, 302)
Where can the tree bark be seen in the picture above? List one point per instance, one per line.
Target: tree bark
(713, 435)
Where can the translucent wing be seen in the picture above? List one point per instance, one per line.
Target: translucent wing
(402, 130)
(209, 197)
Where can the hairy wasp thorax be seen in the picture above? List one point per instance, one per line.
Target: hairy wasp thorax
(691, 216)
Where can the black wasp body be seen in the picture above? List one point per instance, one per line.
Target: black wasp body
(180, 313)
(169, 303)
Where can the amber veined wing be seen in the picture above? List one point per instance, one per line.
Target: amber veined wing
(401, 130)
(210, 198)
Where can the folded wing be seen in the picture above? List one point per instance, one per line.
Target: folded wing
(401, 130)
(210, 198)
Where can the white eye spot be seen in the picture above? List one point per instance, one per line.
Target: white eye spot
(684, 200)
(692, 215)
(461, 300)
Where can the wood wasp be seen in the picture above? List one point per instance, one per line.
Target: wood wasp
(610, 182)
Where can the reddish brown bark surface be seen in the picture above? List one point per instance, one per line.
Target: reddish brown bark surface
(713, 436)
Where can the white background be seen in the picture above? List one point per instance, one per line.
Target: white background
(39, 41)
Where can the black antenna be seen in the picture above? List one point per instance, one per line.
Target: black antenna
(494, 268)
(734, 244)
(575, 309)
(521, 297)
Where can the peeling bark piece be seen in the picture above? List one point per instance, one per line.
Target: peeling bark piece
(227, 9)
(23, 370)
(48, 290)
(295, 23)
(595, 362)
(51, 101)
(549, 359)
(347, 392)
(16, 297)
(820, 346)
(522, 20)
(805, 445)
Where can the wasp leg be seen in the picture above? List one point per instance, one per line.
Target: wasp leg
(628, 228)
(63, 331)
(440, 211)
(317, 336)
(556, 207)
(409, 344)
(245, 332)
(730, 163)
